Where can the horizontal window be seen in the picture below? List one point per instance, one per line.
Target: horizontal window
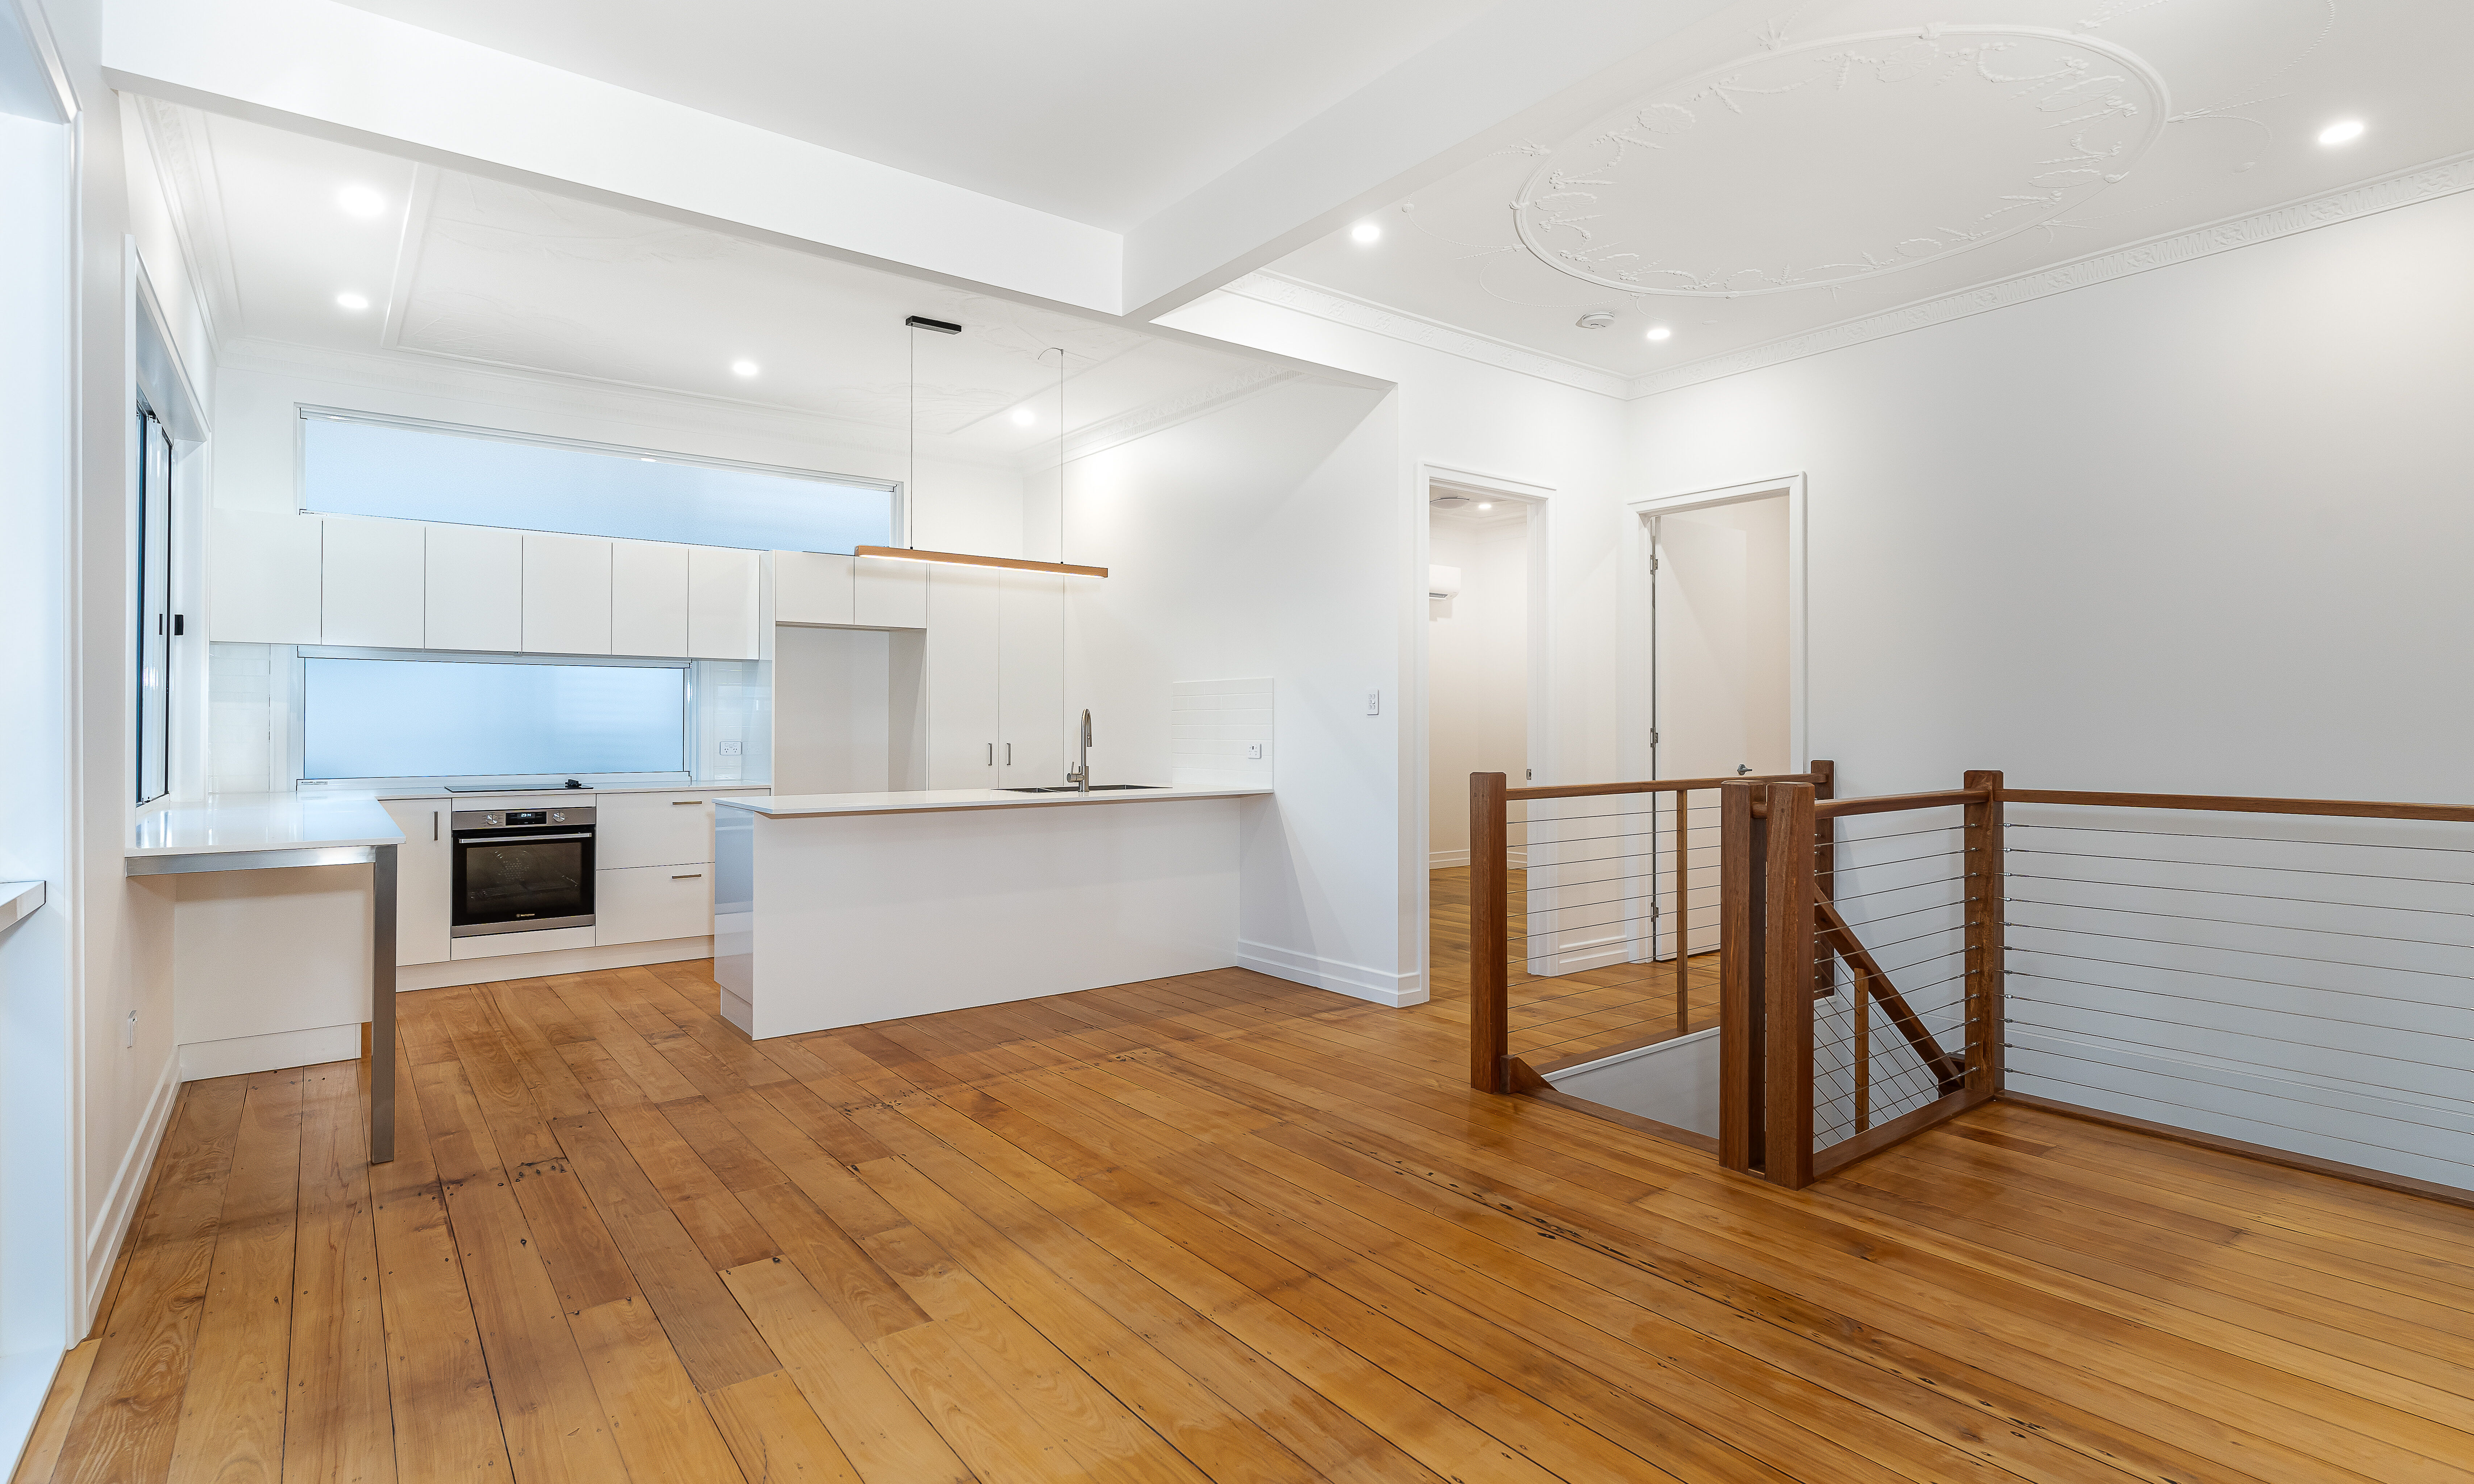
(357, 466)
(476, 719)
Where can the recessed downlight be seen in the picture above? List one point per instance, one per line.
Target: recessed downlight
(1023, 418)
(361, 201)
(1366, 231)
(744, 368)
(2342, 131)
(352, 301)
(1660, 332)
(1486, 505)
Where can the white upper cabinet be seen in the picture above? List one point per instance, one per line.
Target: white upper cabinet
(649, 598)
(262, 577)
(475, 581)
(889, 594)
(812, 587)
(566, 594)
(964, 749)
(373, 584)
(721, 602)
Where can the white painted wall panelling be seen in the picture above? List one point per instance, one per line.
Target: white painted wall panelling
(372, 579)
(566, 594)
(475, 581)
(263, 577)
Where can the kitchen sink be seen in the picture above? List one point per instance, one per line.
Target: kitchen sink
(1075, 788)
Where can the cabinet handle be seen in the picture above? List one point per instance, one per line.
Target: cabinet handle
(433, 825)
(693, 875)
(992, 755)
(681, 802)
(1008, 754)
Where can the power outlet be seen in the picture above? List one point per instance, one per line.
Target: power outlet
(1375, 702)
(732, 749)
(1253, 752)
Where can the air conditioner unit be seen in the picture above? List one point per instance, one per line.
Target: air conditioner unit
(1443, 582)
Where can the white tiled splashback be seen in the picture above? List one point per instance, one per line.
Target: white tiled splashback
(1212, 726)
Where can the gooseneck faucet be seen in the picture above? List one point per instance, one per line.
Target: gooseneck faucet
(1081, 771)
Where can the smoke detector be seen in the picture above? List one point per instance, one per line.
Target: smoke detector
(1449, 501)
(1596, 320)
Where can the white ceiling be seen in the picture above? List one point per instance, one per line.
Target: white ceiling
(1824, 161)
(1103, 111)
(475, 269)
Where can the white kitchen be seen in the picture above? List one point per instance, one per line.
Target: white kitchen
(499, 546)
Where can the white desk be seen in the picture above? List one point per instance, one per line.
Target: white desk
(277, 831)
(839, 909)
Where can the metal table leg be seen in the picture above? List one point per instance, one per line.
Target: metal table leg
(382, 1005)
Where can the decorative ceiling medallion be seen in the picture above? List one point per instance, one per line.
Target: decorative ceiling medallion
(1841, 159)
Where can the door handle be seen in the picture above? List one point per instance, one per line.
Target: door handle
(693, 875)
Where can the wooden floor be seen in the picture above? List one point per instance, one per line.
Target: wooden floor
(1213, 1227)
(1570, 1019)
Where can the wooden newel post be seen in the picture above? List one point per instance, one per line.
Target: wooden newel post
(1490, 1025)
(1787, 985)
(1986, 1014)
(1743, 881)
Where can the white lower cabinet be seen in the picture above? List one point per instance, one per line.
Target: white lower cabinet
(649, 903)
(422, 866)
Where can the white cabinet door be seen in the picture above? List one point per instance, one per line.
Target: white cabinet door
(812, 587)
(721, 602)
(371, 577)
(566, 594)
(652, 829)
(262, 577)
(648, 599)
(963, 745)
(475, 583)
(649, 903)
(889, 594)
(421, 878)
(1031, 656)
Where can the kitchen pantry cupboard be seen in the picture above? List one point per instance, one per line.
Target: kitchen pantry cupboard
(996, 665)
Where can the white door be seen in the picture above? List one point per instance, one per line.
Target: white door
(648, 599)
(963, 749)
(1720, 672)
(423, 865)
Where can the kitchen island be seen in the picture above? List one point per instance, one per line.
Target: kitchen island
(838, 909)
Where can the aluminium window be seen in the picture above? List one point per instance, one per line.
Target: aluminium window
(361, 464)
(379, 715)
(156, 622)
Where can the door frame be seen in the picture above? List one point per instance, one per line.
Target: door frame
(1539, 501)
(1640, 756)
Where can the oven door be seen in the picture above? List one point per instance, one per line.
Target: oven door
(521, 880)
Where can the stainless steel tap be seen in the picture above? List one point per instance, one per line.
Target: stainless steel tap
(1081, 771)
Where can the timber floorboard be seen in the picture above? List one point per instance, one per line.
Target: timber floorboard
(1214, 1228)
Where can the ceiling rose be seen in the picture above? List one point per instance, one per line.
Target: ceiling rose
(1841, 159)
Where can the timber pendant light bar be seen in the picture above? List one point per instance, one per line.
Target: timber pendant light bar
(916, 323)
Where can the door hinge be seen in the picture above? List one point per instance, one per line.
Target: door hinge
(1653, 564)
(1653, 736)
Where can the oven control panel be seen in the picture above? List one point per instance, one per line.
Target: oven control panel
(579, 817)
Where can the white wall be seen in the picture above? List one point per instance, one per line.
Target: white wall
(2199, 530)
(38, 836)
(1263, 541)
(1477, 673)
(1466, 415)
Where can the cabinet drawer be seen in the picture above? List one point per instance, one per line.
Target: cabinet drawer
(649, 903)
(653, 829)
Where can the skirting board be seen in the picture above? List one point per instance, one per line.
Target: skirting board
(561, 961)
(1442, 860)
(127, 1186)
(243, 1054)
(1380, 986)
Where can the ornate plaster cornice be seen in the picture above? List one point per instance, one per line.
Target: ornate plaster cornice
(2443, 178)
(1340, 308)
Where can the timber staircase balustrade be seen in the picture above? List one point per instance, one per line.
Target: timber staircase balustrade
(2291, 979)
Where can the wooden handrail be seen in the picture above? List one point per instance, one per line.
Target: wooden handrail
(1655, 785)
(1949, 1070)
(2348, 808)
(1891, 803)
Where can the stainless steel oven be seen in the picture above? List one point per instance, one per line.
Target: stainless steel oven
(520, 870)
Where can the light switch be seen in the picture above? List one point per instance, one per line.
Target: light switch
(1254, 752)
(1375, 702)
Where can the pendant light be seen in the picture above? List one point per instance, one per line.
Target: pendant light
(916, 323)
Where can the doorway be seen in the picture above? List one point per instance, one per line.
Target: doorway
(1725, 692)
(1478, 655)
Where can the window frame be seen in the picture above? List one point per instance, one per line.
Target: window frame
(154, 507)
(897, 491)
(691, 738)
